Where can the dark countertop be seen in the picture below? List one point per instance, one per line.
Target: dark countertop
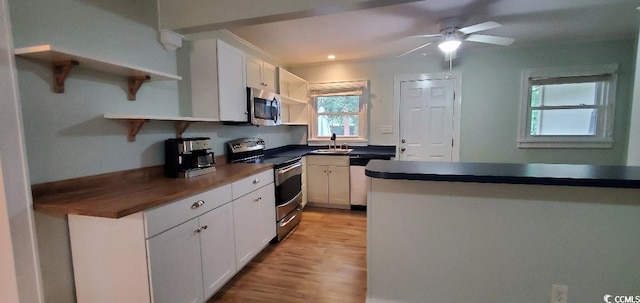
(370, 151)
(539, 174)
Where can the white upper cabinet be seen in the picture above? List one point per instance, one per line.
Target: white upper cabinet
(218, 81)
(204, 79)
(232, 83)
(261, 74)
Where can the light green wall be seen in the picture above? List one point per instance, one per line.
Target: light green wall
(491, 96)
(66, 135)
(491, 101)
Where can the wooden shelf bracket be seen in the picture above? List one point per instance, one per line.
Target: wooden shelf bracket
(134, 128)
(181, 127)
(61, 70)
(134, 85)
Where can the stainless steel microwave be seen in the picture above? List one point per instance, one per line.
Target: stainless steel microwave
(264, 107)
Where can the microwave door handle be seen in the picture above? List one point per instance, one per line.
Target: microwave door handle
(274, 114)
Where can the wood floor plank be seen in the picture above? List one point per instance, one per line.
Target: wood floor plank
(323, 260)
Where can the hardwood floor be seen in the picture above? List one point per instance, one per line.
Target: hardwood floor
(323, 260)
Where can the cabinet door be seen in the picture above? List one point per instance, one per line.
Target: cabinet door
(244, 225)
(266, 213)
(204, 79)
(269, 76)
(254, 72)
(217, 246)
(175, 267)
(232, 83)
(317, 184)
(339, 184)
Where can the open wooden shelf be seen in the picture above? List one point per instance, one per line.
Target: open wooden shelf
(63, 62)
(137, 121)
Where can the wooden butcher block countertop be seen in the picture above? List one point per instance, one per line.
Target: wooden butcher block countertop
(115, 195)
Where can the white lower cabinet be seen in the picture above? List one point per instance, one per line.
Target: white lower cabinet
(217, 247)
(328, 181)
(181, 252)
(254, 218)
(190, 262)
(174, 265)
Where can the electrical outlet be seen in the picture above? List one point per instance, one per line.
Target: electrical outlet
(559, 293)
(386, 129)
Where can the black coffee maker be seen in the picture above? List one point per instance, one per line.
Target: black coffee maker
(188, 157)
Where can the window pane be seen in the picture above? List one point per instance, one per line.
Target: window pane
(563, 122)
(338, 104)
(343, 125)
(536, 95)
(564, 94)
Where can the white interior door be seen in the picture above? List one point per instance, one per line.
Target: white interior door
(426, 120)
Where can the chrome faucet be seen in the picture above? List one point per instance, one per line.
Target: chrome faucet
(333, 138)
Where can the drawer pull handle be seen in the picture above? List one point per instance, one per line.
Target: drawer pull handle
(198, 230)
(197, 204)
(257, 199)
(204, 227)
(256, 181)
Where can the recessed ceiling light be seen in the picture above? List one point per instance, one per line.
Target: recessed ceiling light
(331, 57)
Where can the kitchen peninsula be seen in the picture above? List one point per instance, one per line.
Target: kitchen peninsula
(483, 232)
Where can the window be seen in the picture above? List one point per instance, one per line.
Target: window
(568, 107)
(340, 108)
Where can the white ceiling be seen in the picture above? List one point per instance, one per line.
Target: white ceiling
(379, 32)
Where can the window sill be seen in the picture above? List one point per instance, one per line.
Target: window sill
(565, 144)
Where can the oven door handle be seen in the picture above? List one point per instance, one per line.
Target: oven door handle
(289, 168)
(286, 172)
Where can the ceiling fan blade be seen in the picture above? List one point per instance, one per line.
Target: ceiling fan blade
(479, 27)
(490, 39)
(425, 36)
(415, 49)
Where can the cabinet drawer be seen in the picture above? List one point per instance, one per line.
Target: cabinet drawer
(251, 183)
(328, 160)
(164, 217)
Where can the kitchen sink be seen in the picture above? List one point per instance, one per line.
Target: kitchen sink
(333, 150)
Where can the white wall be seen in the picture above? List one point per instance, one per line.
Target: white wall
(633, 154)
(16, 196)
(489, 243)
(8, 278)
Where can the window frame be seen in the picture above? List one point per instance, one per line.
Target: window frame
(603, 137)
(362, 118)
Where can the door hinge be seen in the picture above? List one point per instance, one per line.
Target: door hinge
(452, 143)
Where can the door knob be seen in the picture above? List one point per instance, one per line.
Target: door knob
(403, 141)
(402, 149)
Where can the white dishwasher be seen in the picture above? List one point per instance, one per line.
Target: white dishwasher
(358, 180)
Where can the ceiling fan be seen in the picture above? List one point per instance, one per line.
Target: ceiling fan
(451, 36)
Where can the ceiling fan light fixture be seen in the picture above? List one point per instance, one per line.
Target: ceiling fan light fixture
(450, 44)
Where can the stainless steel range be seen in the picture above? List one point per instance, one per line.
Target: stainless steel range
(288, 180)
